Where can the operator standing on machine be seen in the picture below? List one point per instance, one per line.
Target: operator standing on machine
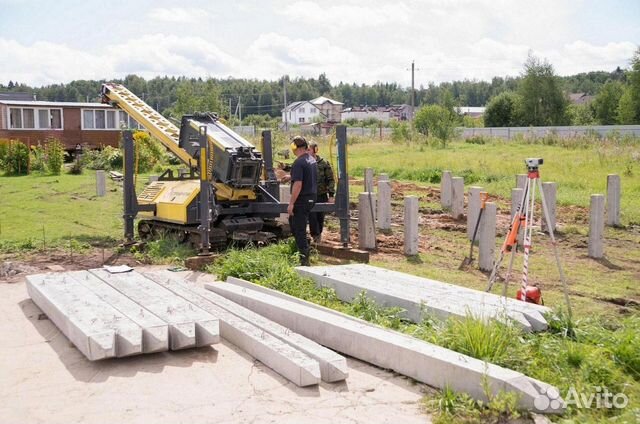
(304, 182)
(326, 191)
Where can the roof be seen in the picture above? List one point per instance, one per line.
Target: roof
(55, 104)
(293, 106)
(320, 100)
(580, 98)
(16, 96)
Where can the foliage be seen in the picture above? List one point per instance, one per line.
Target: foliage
(503, 110)
(471, 122)
(580, 114)
(38, 159)
(261, 121)
(109, 158)
(634, 85)
(166, 249)
(543, 101)
(15, 158)
(626, 111)
(198, 97)
(148, 151)
(606, 103)
(437, 121)
(55, 156)
(400, 131)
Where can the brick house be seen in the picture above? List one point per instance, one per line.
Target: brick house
(92, 125)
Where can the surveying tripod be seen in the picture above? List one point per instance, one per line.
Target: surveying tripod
(523, 218)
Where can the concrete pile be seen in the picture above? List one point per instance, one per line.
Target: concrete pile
(113, 315)
(427, 363)
(422, 297)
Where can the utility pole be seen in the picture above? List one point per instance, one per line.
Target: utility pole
(413, 93)
(240, 109)
(286, 113)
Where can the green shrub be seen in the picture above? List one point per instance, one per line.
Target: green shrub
(109, 158)
(16, 159)
(55, 156)
(476, 139)
(38, 159)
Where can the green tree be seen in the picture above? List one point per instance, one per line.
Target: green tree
(543, 102)
(436, 121)
(55, 156)
(580, 114)
(634, 86)
(626, 110)
(606, 102)
(503, 110)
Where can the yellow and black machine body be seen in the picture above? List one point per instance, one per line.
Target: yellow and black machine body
(228, 191)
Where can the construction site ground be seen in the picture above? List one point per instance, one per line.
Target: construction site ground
(46, 379)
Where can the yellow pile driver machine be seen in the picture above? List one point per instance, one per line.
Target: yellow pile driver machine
(229, 192)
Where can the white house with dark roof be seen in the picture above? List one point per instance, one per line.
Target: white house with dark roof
(301, 112)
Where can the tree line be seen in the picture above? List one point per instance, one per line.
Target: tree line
(537, 97)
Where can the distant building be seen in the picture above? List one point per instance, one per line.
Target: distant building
(580, 98)
(329, 108)
(17, 96)
(301, 113)
(471, 111)
(381, 113)
(92, 125)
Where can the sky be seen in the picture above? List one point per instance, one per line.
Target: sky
(361, 41)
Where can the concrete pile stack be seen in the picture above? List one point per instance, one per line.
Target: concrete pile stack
(422, 297)
(427, 363)
(113, 315)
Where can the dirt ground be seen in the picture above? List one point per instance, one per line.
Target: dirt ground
(47, 380)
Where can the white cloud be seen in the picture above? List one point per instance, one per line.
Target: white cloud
(179, 14)
(346, 16)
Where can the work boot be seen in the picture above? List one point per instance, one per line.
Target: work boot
(317, 238)
(304, 260)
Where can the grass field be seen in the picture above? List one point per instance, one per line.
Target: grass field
(580, 170)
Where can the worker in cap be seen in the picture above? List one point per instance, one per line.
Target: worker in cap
(325, 192)
(304, 185)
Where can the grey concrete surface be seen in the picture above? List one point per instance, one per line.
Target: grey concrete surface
(384, 205)
(446, 299)
(366, 220)
(411, 225)
(281, 357)
(445, 190)
(613, 200)
(97, 329)
(189, 326)
(596, 226)
(473, 209)
(46, 380)
(487, 237)
(155, 332)
(550, 191)
(406, 355)
(457, 197)
(368, 180)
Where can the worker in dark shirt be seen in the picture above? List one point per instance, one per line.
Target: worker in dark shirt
(304, 181)
(326, 191)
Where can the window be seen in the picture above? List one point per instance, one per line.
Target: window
(301, 110)
(111, 119)
(43, 119)
(56, 118)
(15, 117)
(101, 119)
(87, 120)
(28, 118)
(301, 120)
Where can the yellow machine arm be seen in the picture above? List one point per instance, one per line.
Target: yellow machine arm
(145, 115)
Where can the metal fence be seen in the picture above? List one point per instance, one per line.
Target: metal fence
(565, 131)
(248, 130)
